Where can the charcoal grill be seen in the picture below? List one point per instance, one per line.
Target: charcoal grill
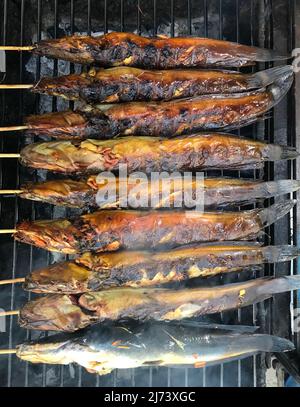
(266, 23)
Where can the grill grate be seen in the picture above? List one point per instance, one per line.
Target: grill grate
(255, 22)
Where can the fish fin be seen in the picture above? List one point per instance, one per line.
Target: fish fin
(274, 285)
(179, 343)
(276, 152)
(212, 325)
(267, 77)
(198, 365)
(265, 55)
(273, 213)
(236, 243)
(281, 85)
(280, 187)
(153, 362)
(276, 254)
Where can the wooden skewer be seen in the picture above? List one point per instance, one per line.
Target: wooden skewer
(10, 191)
(8, 313)
(17, 86)
(10, 155)
(7, 351)
(5, 231)
(12, 281)
(16, 47)
(13, 128)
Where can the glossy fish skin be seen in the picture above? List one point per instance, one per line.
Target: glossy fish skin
(164, 118)
(126, 84)
(103, 348)
(116, 48)
(149, 154)
(218, 192)
(69, 313)
(112, 230)
(93, 272)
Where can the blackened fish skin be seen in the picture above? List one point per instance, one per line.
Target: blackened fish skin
(110, 230)
(163, 118)
(126, 84)
(120, 48)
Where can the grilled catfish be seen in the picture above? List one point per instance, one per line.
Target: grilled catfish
(57, 312)
(93, 272)
(107, 230)
(94, 192)
(119, 48)
(166, 118)
(150, 154)
(103, 348)
(125, 84)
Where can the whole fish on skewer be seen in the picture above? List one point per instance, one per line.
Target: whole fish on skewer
(110, 230)
(120, 48)
(166, 118)
(150, 154)
(103, 348)
(57, 312)
(126, 84)
(93, 272)
(90, 193)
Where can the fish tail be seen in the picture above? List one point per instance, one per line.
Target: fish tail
(276, 152)
(269, 285)
(265, 55)
(267, 343)
(264, 78)
(281, 85)
(280, 187)
(273, 213)
(276, 254)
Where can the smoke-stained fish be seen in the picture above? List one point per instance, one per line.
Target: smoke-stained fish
(126, 84)
(92, 272)
(150, 154)
(120, 48)
(163, 118)
(69, 313)
(107, 230)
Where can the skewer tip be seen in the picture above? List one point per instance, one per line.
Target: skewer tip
(10, 155)
(17, 47)
(16, 86)
(8, 313)
(7, 351)
(10, 191)
(12, 281)
(7, 231)
(13, 128)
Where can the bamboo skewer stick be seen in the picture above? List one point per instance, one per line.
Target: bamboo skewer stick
(8, 313)
(7, 351)
(12, 281)
(10, 155)
(16, 47)
(13, 128)
(16, 86)
(10, 191)
(6, 231)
